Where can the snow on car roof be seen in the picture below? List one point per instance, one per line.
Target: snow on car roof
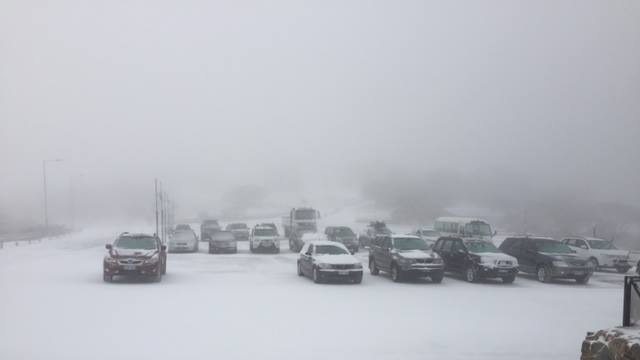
(396, 236)
(135, 235)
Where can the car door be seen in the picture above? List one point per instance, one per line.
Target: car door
(458, 255)
(581, 248)
(384, 251)
(445, 253)
(528, 258)
(306, 260)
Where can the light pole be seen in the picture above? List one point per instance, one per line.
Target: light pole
(44, 182)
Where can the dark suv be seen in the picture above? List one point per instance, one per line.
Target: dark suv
(374, 229)
(547, 258)
(404, 256)
(344, 235)
(137, 255)
(476, 259)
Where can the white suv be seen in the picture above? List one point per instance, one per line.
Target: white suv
(264, 238)
(600, 253)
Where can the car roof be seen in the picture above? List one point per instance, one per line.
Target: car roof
(262, 227)
(136, 235)
(585, 238)
(327, 242)
(397, 236)
(533, 237)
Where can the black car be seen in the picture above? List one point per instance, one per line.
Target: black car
(344, 235)
(548, 259)
(208, 228)
(374, 229)
(404, 256)
(476, 259)
(135, 255)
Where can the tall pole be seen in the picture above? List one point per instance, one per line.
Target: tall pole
(46, 210)
(156, 198)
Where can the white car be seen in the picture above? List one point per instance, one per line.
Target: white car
(183, 240)
(600, 253)
(328, 260)
(264, 238)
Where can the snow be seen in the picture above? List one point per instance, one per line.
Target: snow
(54, 305)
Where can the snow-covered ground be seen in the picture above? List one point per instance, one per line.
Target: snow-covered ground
(54, 305)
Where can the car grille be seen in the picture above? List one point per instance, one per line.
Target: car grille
(423, 261)
(505, 263)
(342, 267)
(130, 262)
(576, 263)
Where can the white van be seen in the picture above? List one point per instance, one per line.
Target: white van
(463, 227)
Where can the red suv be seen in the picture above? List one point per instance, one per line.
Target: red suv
(135, 255)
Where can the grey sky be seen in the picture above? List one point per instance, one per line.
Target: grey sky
(313, 96)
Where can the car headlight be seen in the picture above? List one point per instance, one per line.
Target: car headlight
(110, 260)
(324, 266)
(152, 260)
(357, 266)
(437, 261)
(560, 263)
(405, 260)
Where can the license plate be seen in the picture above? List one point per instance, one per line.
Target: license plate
(503, 271)
(344, 272)
(129, 267)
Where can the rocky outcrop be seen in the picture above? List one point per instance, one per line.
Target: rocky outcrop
(612, 344)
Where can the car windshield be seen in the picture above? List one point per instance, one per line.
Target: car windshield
(237, 226)
(211, 224)
(330, 250)
(183, 227)
(142, 243)
(601, 245)
(409, 244)
(552, 246)
(478, 228)
(481, 247)
(306, 214)
(265, 232)
(223, 236)
(183, 235)
(344, 232)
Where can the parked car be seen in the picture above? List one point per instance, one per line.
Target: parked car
(328, 260)
(476, 259)
(548, 259)
(239, 230)
(264, 238)
(428, 234)
(404, 256)
(135, 255)
(183, 240)
(374, 229)
(344, 235)
(208, 228)
(223, 242)
(183, 227)
(601, 254)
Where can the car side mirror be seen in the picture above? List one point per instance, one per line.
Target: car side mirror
(108, 246)
(495, 232)
(163, 247)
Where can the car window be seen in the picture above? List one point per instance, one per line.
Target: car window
(447, 245)
(456, 245)
(438, 245)
(579, 243)
(142, 243)
(386, 243)
(309, 250)
(514, 246)
(330, 250)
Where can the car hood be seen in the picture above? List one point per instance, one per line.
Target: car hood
(175, 241)
(562, 257)
(417, 254)
(493, 256)
(265, 238)
(133, 252)
(240, 231)
(343, 259)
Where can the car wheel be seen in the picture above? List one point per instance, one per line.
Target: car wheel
(593, 263)
(107, 278)
(300, 273)
(358, 279)
(164, 269)
(396, 274)
(471, 274)
(373, 268)
(316, 275)
(544, 273)
(508, 279)
(583, 279)
(437, 277)
(277, 251)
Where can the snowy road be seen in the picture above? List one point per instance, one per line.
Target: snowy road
(54, 305)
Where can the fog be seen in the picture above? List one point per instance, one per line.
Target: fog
(412, 107)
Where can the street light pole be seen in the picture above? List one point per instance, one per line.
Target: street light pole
(44, 183)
